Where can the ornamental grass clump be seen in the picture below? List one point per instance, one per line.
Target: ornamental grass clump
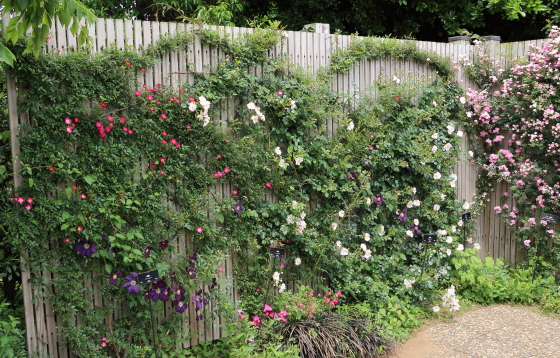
(334, 335)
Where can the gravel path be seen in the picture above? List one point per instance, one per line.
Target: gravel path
(498, 331)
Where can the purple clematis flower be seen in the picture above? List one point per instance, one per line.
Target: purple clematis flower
(378, 200)
(104, 238)
(352, 176)
(179, 292)
(114, 276)
(180, 306)
(163, 244)
(416, 228)
(401, 216)
(131, 283)
(85, 248)
(147, 251)
(238, 208)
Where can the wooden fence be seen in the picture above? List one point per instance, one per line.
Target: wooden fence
(311, 50)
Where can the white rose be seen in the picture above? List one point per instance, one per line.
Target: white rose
(460, 247)
(297, 261)
(437, 176)
(298, 160)
(278, 151)
(462, 100)
(341, 213)
(447, 147)
(459, 133)
(471, 154)
(334, 226)
(435, 135)
(436, 207)
(416, 202)
(434, 149)
(363, 247)
(281, 163)
(466, 206)
(344, 251)
(416, 222)
(338, 244)
(409, 233)
(449, 239)
(350, 126)
(368, 201)
(476, 245)
(367, 237)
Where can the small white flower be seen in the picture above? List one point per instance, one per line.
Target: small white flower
(453, 228)
(471, 154)
(447, 147)
(436, 207)
(459, 133)
(434, 149)
(290, 219)
(278, 151)
(282, 288)
(435, 135)
(367, 254)
(476, 245)
(334, 226)
(192, 106)
(469, 114)
(338, 244)
(413, 190)
(460, 247)
(409, 204)
(281, 163)
(460, 223)
(350, 126)
(449, 239)
(363, 247)
(367, 237)
(251, 105)
(408, 283)
(435, 308)
(434, 103)
(341, 213)
(255, 119)
(452, 183)
(297, 261)
(344, 251)
(381, 230)
(302, 215)
(450, 128)
(466, 205)
(298, 160)
(396, 80)
(416, 202)
(469, 240)
(462, 100)
(416, 222)
(448, 252)
(368, 201)
(442, 196)
(409, 233)
(437, 176)
(292, 104)
(276, 276)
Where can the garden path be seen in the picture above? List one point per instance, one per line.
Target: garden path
(499, 331)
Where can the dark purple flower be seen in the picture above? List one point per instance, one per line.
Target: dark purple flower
(179, 292)
(147, 251)
(352, 176)
(114, 276)
(401, 216)
(131, 283)
(213, 284)
(180, 306)
(198, 303)
(85, 248)
(416, 229)
(173, 276)
(104, 238)
(367, 164)
(193, 256)
(378, 200)
(199, 317)
(192, 276)
(163, 244)
(238, 208)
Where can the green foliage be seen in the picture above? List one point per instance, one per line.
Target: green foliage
(38, 16)
(12, 340)
(370, 48)
(491, 281)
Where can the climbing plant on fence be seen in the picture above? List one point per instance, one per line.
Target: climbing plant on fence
(117, 176)
(515, 118)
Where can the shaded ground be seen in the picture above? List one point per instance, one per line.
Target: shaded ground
(499, 331)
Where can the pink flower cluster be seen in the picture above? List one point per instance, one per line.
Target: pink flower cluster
(22, 201)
